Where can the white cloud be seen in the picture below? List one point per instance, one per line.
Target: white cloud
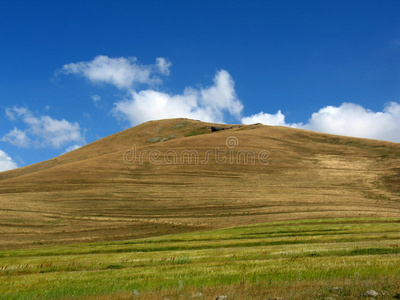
(163, 65)
(267, 119)
(53, 132)
(354, 120)
(207, 104)
(6, 162)
(17, 137)
(42, 131)
(222, 96)
(96, 98)
(12, 113)
(121, 72)
(72, 148)
(214, 102)
(349, 119)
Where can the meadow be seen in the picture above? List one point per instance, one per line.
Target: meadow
(340, 258)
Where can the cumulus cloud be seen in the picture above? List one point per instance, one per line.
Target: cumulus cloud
(121, 72)
(354, 120)
(17, 137)
(42, 131)
(207, 104)
(348, 119)
(267, 119)
(6, 162)
(72, 148)
(163, 65)
(222, 96)
(213, 103)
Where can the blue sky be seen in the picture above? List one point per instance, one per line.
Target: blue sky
(72, 72)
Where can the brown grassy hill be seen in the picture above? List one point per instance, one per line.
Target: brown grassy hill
(189, 175)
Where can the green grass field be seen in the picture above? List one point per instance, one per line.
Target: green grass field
(309, 259)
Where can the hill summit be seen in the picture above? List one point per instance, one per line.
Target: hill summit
(181, 175)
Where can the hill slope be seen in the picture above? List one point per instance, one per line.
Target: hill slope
(189, 175)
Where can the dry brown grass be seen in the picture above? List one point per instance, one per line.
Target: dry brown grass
(90, 194)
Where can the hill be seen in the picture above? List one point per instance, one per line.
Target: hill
(180, 175)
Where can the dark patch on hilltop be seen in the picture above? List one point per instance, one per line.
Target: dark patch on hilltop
(219, 128)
